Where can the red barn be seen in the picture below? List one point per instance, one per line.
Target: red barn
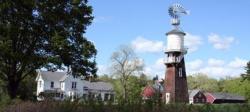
(148, 92)
(153, 90)
(218, 98)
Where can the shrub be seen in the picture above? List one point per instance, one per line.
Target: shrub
(97, 106)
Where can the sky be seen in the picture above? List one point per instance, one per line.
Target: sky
(218, 34)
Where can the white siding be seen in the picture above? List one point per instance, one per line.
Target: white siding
(40, 89)
(65, 87)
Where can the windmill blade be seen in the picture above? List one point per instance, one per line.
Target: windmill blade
(176, 10)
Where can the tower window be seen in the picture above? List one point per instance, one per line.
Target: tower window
(180, 72)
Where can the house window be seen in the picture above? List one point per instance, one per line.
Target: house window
(52, 84)
(203, 100)
(91, 96)
(180, 72)
(112, 97)
(196, 100)
(85, 88)
(73, 85)
(58, 95)
(62, 96)
(74, 76)
(85, 96)
(106, 97)
(98, 97)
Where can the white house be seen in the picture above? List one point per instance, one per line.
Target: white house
(62, 85)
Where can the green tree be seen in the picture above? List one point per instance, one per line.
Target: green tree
(125, 64)
(237, 86)
(202, 81)
(135, 87)
(28, 87)
(247, 74)
(44, 33)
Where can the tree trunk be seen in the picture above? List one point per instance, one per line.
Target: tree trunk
(125, 93)
(12, 88)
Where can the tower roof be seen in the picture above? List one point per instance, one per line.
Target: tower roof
(176, 31)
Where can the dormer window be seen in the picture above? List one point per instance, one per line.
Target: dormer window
(51, 84)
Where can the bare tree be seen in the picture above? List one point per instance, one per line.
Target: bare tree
(124, 64)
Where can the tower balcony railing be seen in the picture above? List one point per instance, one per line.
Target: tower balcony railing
(173, 59)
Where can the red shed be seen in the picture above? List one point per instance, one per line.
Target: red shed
(196, 96)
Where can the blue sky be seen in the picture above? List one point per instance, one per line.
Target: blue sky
(218, 33)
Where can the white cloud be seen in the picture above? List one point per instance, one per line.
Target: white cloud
(217, 68)
(238, 63)
(215, 62)
(192, 42)
(194, 65)
(158, 68)
(102, 69)
(102, 19)
(220, 43)
(141, 44)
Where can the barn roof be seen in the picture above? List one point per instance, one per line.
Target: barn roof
(192, 93)
(227, 96)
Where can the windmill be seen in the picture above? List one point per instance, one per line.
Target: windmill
(175, 84)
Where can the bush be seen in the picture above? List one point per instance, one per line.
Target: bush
(95, 106)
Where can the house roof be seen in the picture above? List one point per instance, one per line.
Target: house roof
(227, 96)
(53, 76)
(99, 86)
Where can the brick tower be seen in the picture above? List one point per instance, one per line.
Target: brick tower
(176, 90)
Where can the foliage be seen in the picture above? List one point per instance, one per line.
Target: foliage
(28, 87)
(26, 90)
(124, 65)
(237, 86)
(43, 33)
(247, 74)
(134, 87)
(67, 106)
(203, 82)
